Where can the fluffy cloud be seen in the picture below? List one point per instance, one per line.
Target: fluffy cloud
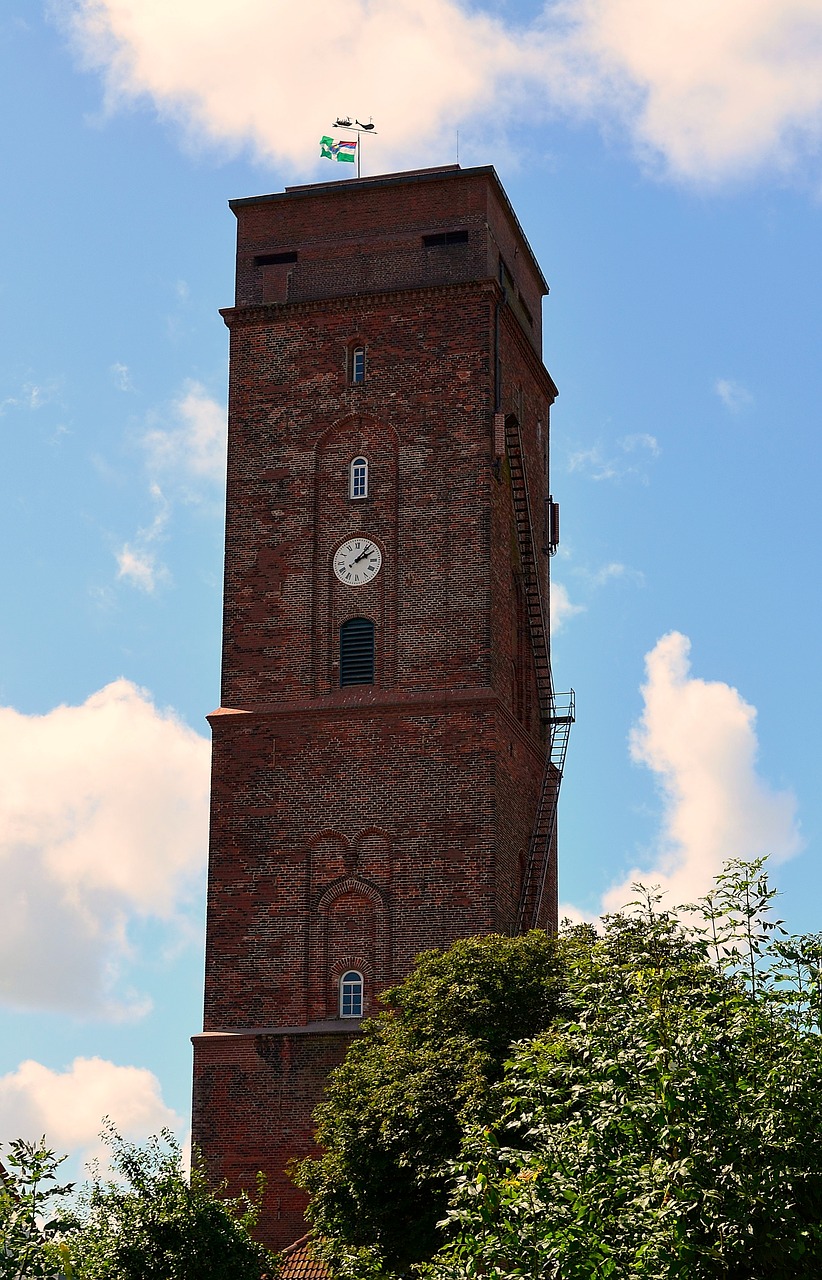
(137, 566)
(711, 89)
(186, 446)
(561, 606)
(103, 821)
(210, 65)
(137, 561)
(69, 1106)
(194, 443)
(699, 739)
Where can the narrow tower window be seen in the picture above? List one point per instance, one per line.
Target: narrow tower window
(358, 364)
(358, 487)
(357, 651)
(351, 995)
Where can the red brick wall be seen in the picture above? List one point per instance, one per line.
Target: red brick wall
(353, 828)
(254, 1096)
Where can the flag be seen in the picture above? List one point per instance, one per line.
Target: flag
(331, 150)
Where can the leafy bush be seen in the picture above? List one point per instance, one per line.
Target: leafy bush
(152, 1222)
(422, 1071)
(148, 1222)
(641, 1101)
(672, 1127)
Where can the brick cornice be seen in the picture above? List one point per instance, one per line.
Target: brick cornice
(366, 704)
(338, 1027)
(265, 312)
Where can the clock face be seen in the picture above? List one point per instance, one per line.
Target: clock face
(357, 561)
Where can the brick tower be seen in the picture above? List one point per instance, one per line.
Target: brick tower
(387, 751)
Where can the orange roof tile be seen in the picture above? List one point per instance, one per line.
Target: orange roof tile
(300, 1263)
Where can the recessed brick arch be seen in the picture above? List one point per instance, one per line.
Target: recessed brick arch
(351, 884)
(350, 931)
(353, 960)
(373, 848)
(371, 430)
(332, 852)
(336, 517)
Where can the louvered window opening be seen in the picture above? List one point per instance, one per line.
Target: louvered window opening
(357, 652)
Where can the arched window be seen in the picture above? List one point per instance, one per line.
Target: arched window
(351, 994)
(358, 478)
(358, 364)
(357, 651)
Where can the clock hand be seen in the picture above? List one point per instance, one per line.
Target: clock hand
(362, 555)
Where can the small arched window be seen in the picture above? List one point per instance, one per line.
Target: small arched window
(351, 994)
(358, 478)
(357, 652)
(358, 364)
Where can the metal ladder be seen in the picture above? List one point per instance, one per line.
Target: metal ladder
(556, 711)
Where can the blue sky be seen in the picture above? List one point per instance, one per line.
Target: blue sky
(664, 162)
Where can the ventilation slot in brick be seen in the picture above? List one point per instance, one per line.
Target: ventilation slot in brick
(445, 238)
(357, 652)
(274, 259)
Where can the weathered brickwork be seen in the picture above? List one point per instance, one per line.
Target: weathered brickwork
(354, 827)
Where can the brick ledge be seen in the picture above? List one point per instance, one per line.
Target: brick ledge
(336, 1026)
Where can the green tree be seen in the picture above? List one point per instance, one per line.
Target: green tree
(153, 1222)
(671, 1127)
(28, 1224)
(397, 1108)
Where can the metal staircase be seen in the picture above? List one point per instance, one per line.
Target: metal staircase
(556, 711)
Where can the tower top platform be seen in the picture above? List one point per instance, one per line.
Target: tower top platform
(418, 229)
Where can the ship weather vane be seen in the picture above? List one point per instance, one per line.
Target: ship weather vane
(346, 150)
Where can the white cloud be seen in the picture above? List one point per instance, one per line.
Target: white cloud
(733, 395)
(121, 376)
(641, 440)
(194, 444)
(711, 89)
(32, 395)
(699, 738)
(614, 572)
(627, 459)
(137, 561)
(103, 821)
(139, 567)
(567, 911)
(561, 607)
(69, 1106)
(189, 451)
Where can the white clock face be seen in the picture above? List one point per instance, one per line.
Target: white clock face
(357, 561)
